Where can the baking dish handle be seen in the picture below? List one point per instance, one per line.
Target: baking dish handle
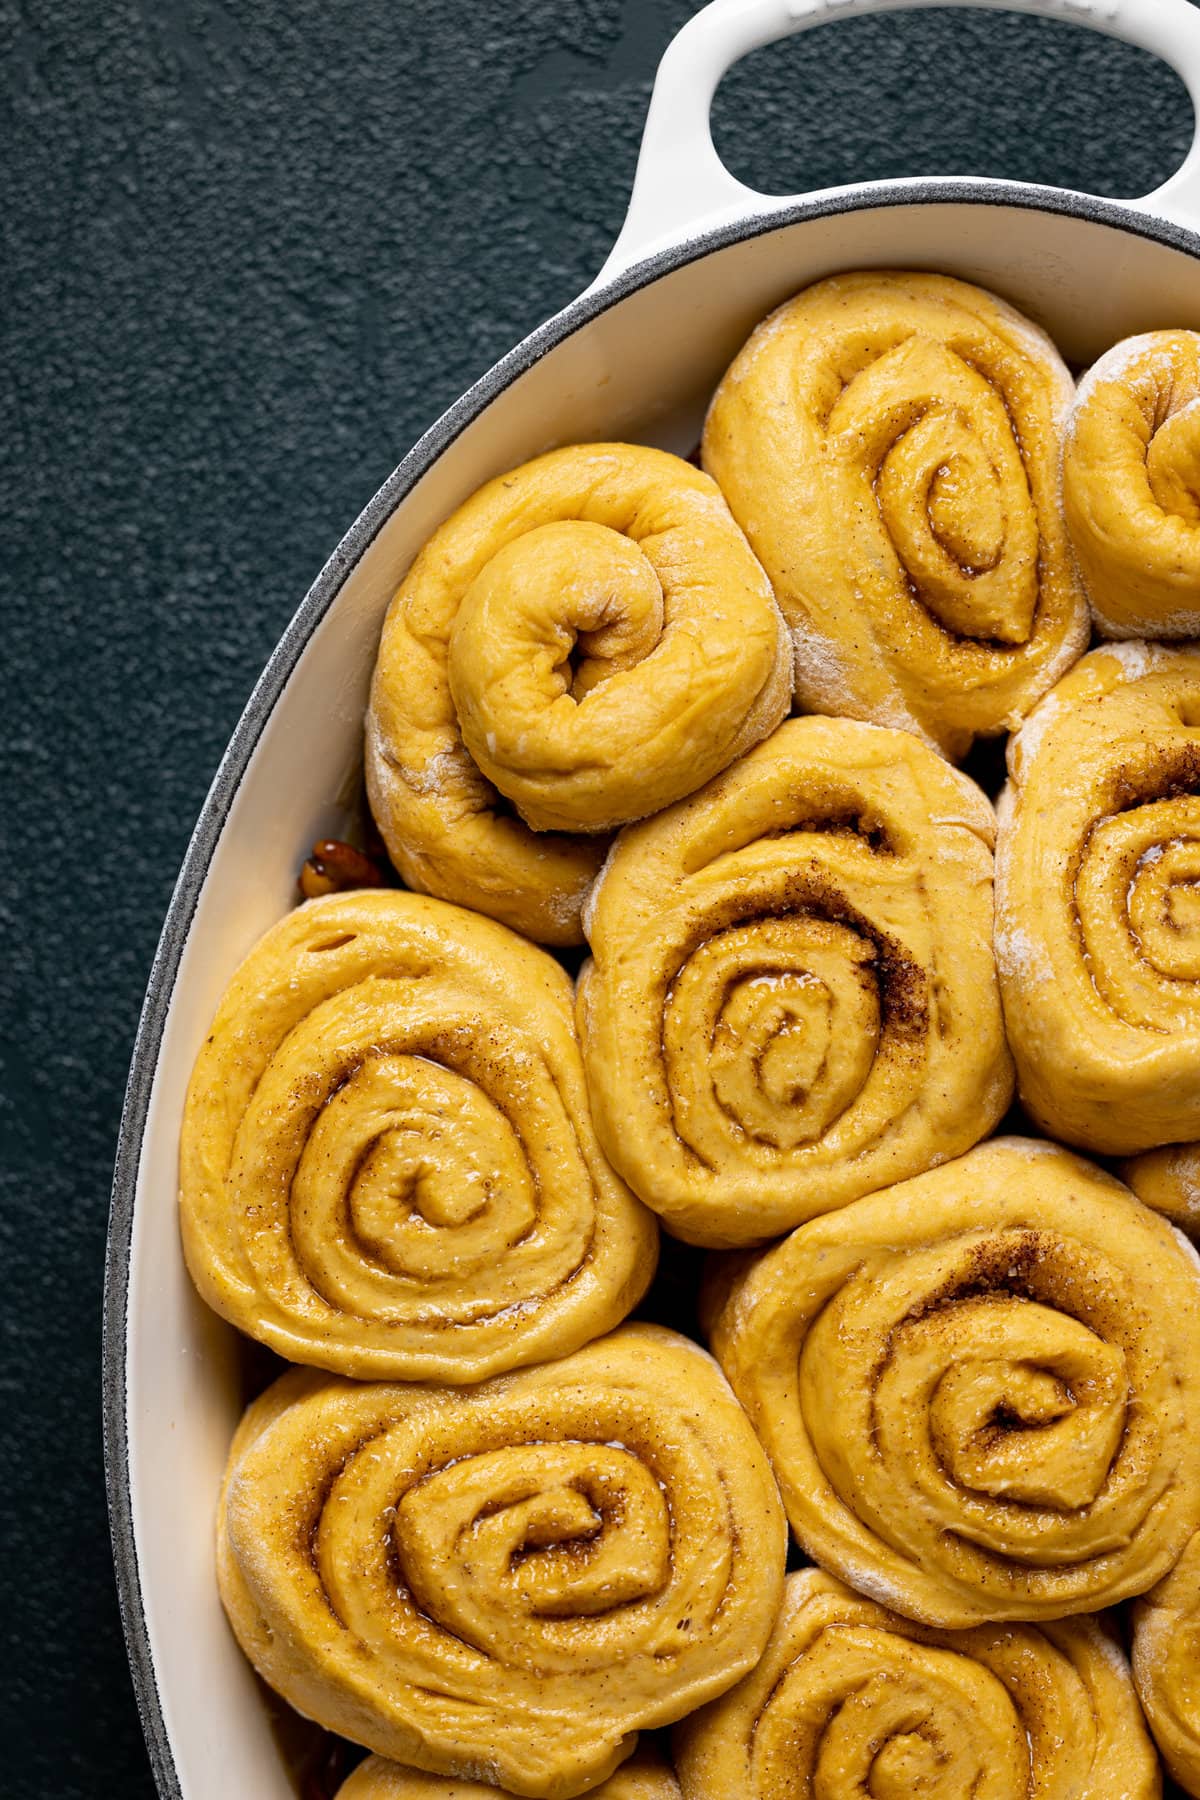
(682, 186)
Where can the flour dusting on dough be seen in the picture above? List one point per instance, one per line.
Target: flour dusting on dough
(1137, 657)
(1175, 625)
(1033, 729)
(875, 1586)
(564, 906)
(819, 672)
(439, 774)
(1117, 365)
(1006, 806)
(1020, 957)
(1106, 1646)
(593, 893)
(822, 686)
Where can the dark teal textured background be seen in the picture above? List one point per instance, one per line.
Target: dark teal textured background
(251, 248)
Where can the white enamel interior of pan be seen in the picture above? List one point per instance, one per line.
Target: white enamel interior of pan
(644, 369)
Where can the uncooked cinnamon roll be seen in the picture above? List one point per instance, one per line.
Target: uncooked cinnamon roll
(890, 445)
(1169, 1181)
(851, 1700)
(1166, 1666)
(1098, 901)
(387, 1164)
(1131, 486)
(978, 1389)
(589, 636)
(644, 1777)
(505, 1583)
(793, 999)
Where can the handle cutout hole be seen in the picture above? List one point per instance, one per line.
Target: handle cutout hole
(952, 93)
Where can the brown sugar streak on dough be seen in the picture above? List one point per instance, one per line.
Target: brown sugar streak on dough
(586, 639)
(976, 1387)
(849, 1694)
(388, 1165)
(783, 1013)
(890, 444)
(1097, 930)
(1131, 486)
(507, 1582)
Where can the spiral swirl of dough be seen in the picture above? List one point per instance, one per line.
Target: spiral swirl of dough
(978, 1389)
(505, 1583)
(890, 445)
(644, 1777)
(1131, 486)
(1098, 901)
(588, 636)
(793, 999)
(388, 1166)
(851, 1700)
(1166, 1666)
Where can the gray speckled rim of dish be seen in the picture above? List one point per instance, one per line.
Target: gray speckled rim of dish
(258, 710)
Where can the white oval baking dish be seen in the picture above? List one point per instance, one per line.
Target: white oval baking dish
(700, 260)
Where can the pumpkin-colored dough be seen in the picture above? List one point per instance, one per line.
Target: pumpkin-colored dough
(1131, 486)
(978, 1388)
(793, 998)
(388, 1166)
(1169, 1181)
(851, 1700)
(644, 1777)
(589, 636)
(1098, 901)
(505, 1583)
(890, 444)
(1166, 1666)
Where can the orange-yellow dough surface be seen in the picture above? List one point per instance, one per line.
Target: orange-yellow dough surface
(505, 1583)
(978, 1388)
(1169, 1181)
(1166, 1666)
(1131, 486)
(792, 998)
(388, 1167)
(851, 1700)
(890, 444)
(1098, 901)
(590, 637)
(644, 1777)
